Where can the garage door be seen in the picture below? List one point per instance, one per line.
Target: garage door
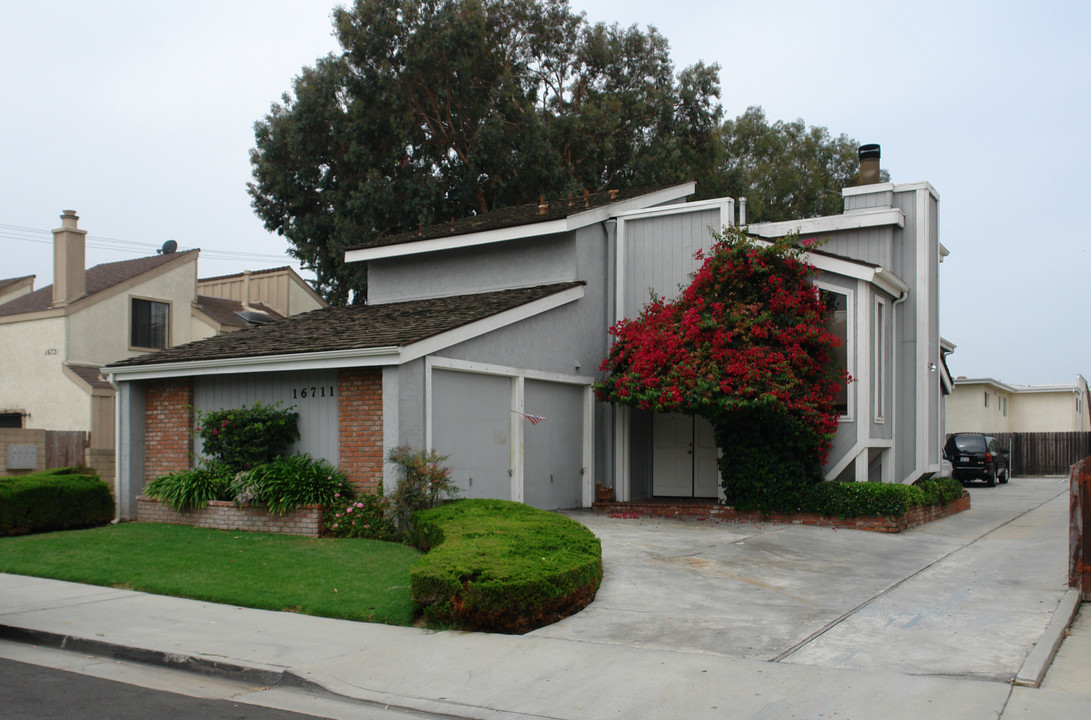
(471, 425)
(553, 448)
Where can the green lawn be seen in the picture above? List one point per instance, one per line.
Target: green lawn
(354, 579)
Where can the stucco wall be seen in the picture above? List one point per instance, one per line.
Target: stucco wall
(33, 379)
(966, 411)
(100, 332)
(1047, 412)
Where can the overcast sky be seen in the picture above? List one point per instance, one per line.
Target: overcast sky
(139, 116)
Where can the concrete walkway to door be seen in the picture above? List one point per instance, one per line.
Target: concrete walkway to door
(966, 596)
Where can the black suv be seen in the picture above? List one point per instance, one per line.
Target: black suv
(975, 456)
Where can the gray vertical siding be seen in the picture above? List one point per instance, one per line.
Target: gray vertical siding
(312, 394)
(659, 254)
(497, 266)
(471, 425)
(553, 449)
(870, 245)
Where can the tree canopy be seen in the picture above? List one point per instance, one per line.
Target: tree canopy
(437, 109)
(785, 170)
(745, 345)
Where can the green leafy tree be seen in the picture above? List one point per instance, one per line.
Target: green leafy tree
(439, 109)
(746, 346)
(785, 170)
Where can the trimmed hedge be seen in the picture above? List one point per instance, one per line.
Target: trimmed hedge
(852, 499)
(502, 566)
(58, 499)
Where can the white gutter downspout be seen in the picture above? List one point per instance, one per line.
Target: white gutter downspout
(110, 378)
(894, 376)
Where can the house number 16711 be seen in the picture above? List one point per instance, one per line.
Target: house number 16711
(312, 392)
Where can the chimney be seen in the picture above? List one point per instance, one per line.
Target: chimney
(869, 164)
(68, 260)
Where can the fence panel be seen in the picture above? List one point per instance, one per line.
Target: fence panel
(64, 448)
(1045, 453)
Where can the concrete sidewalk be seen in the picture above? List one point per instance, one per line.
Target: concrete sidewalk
(795, 635)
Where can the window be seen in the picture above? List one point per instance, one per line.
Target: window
(878, 369)
(986, 398)
(839, 323)
(11, 420)
(150, 324)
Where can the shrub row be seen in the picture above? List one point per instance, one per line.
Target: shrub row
(58, 499)
(285, 483)
(852, 499)
(501, 566)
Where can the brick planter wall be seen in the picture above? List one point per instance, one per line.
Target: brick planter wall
(710, 511)
(222, 515)
(168, 418)
(360, 427)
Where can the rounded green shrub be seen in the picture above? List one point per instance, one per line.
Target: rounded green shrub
(501, 566)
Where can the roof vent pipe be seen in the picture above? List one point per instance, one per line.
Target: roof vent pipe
(869, 164)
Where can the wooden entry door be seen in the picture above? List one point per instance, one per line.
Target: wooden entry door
(683, 457)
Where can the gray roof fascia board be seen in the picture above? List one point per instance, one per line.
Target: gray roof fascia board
(528, 230)
(853, 220)
(329, 359)
(877, 275)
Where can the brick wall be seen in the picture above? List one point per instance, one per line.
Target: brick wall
(220, 515)
(168, 419)
(709, 510)
(360, 426)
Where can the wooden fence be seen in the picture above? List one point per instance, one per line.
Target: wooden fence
(65, 448)
(1047, 453)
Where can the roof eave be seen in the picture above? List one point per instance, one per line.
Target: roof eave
(574, 221)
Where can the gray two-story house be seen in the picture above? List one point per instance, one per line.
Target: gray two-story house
(482, 338)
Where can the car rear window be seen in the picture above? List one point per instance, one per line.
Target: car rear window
(970, 443)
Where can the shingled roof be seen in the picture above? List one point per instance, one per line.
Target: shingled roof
(353, 327)
(226, 312)
(514, 216)
(98, 278)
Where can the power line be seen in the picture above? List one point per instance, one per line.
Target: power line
(99, 242)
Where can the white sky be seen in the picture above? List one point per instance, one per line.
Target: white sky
(139, 115)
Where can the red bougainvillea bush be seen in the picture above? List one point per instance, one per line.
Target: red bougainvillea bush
(746, 346)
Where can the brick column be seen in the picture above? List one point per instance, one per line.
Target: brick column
(168, 420)
(360, 426)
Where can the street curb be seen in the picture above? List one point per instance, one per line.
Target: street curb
(263, 676)
(1038, 661)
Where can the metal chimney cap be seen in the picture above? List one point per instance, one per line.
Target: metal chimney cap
(869, 151)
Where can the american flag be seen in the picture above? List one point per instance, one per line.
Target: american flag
(534, 419)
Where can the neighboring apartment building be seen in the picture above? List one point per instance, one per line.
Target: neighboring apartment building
(986, 405)
(57, 338)
(476, 330)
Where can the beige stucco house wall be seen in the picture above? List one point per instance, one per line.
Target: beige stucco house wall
(990, 406)
(56, 339)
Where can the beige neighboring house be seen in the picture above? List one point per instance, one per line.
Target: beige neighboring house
(986, 405)
(57, 338)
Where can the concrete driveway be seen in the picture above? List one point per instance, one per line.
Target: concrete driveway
(965, 596)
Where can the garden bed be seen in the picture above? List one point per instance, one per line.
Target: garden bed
(224, 515)
(711, 510)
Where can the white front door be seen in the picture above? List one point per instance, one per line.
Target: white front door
(684, 456)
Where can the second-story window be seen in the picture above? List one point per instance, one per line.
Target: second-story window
(150, 324)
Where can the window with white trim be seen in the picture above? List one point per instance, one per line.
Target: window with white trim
(878, 368)
(840, 323)
(149, 324)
